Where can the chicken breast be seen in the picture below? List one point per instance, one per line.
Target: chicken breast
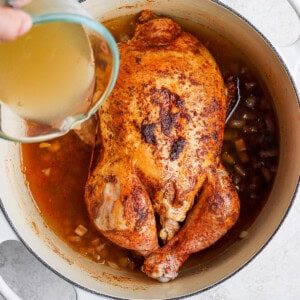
(161, 135)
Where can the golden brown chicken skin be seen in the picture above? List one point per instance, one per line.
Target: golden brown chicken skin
(161, 134)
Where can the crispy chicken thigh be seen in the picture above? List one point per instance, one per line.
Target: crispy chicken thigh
(161, 135)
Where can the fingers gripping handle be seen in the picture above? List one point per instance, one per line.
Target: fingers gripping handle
(10, 3)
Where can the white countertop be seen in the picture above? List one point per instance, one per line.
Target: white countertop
(275, 272)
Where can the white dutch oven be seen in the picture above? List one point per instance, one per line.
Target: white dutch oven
(279, 75)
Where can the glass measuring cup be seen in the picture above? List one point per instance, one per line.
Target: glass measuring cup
(57, 75)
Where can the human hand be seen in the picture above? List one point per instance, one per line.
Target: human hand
(13, 21)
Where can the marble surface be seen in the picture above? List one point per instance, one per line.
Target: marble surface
(274, 18)
(273, 274)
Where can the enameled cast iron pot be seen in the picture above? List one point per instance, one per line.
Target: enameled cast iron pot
(279, 75)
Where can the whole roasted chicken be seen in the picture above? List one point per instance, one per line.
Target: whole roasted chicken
(159, 180)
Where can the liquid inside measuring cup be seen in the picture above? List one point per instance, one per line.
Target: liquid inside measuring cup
(48, 73)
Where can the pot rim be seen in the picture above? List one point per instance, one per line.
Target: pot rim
(296, 191)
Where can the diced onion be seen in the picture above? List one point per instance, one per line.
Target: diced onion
(100, 248)
(44, 145)
(230, 135)
(240, 170)
(237, 123)
(250, 85)
(243, 156)
(240, 145)
(250, 129)
(266, 173)
(251, 102)
(236, 179)
(226, 157)
(248, 116)
(55, 147)
(243, 234)
(95, 242)
(46, 171)
(81, 230)
(74, 238)
(112, 265)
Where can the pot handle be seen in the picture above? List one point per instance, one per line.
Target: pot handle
(7, 292)
(7, 232)
(291, 53)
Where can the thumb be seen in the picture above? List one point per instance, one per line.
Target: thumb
(13, 23)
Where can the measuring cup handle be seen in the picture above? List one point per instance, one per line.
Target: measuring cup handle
(291, 53)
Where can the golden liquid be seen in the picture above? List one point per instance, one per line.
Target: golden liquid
(47, 72)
